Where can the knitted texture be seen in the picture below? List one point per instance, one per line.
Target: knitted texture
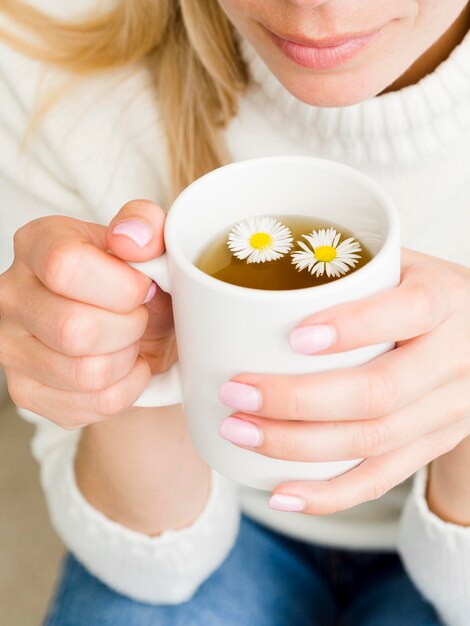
(103, 145)
(436, 555)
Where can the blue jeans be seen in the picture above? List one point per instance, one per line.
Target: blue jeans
(267, 579)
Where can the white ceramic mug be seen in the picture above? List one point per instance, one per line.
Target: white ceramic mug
(223, 329)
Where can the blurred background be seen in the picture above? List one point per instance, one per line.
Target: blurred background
(30, 552)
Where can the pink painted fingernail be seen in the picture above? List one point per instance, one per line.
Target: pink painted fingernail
(283, 502)
(139, 232)
(240, 396)
(241, 432)
(151, 292)
(312, 339)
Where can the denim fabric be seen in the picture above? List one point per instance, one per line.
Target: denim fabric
(267, 579)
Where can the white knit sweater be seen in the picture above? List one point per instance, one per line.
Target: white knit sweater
(102, 146)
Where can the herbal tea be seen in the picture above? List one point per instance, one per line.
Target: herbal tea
(282, 252)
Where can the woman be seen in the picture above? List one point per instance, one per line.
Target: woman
(143, 97)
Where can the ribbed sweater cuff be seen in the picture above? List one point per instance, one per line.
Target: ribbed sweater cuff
(436, 555)
(164, 569)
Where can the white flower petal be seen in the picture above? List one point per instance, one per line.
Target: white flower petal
(239, 239)
(350, 262)
(320, 268)
(349, 245)
(304, 247)
(347, 253)
(332, 270)
(340, 264)
(329, 236)
(336, 269)
(243, 254)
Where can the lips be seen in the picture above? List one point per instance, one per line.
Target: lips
(323, 54)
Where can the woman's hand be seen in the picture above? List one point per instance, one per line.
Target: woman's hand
(77, 342)
(400, 411)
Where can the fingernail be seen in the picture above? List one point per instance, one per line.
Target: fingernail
(240, 396)
(311, 339)
(283, 502)
(139, 232)
(151, 292)
(241, 432)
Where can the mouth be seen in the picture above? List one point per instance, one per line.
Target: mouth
(325, 53)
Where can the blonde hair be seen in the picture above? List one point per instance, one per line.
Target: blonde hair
(191, 48)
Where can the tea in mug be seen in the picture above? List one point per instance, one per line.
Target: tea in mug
(282, 252)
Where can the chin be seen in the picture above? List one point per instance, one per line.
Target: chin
(339, 90)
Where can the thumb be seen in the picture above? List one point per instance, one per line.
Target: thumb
(136, 232)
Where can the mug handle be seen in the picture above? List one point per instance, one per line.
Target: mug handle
(165, 388)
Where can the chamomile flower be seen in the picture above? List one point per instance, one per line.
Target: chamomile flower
(260, 238)
(325, 255)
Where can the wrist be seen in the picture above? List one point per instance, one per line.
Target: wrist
(448, 488)
(141, 470)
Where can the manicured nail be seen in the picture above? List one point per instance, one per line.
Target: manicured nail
(312, 339)
(139, 232)
(240, 396)
(241, 432)
(283, 502)
(151, 292)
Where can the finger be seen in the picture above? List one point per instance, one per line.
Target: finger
(380, 387)
(74, 328)
(372, 478)
(28, 356)
(427, 296)
(73, 409)
(334, 441)
(69, 257)
(411, 257)
(136, 232)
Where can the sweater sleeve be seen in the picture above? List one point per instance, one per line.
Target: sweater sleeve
(163, 569)
(53, 175)
(167, 568)
(436, 555)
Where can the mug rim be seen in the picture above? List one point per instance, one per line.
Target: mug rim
(176, 253)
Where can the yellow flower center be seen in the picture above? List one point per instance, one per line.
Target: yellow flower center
(260, 240)
(325, 254)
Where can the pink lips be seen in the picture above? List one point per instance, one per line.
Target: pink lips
(324, 54)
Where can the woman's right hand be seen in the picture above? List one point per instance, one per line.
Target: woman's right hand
(77, 342)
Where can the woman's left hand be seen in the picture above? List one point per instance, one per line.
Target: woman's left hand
(399, 411)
